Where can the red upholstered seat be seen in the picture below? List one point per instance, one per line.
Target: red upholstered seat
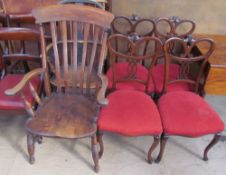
(121, 71)
(158, 79)
(187, 114)
(15, 102)
(130, 113)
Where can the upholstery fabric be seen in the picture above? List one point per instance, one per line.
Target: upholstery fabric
(130, 113)
(187, 114)
(121, 71)
(15, 102)
(158, 79)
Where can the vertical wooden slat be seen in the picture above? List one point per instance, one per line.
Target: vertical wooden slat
(103, 52)
(93, 54)
(75, 53)
(56, 55)
(65, 52)
(84, 54)
(44, 61)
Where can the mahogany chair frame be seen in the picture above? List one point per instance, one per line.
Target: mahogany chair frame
(186, 59)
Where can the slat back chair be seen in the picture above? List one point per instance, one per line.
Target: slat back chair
(130, 72)
(70, 111)
(9, 79)
(186, 74)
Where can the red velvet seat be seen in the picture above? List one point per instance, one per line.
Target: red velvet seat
(187, 114)
(15, 102)
(130, 113)
(158, 79)
(121, 71)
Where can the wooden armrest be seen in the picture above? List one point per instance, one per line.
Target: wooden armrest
(27, 77)
(101, 93)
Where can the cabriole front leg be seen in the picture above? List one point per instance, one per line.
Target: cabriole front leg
(152, 148)
(213, 142)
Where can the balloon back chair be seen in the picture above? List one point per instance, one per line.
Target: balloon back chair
(165, 29)
(131, 112)
(134, 27)
(185, 113)
(71, 106)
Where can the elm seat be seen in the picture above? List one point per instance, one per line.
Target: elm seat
(16, 102)
(74, 118)
(127, 111)
(191, 117)
(174, 72)
(121, 71)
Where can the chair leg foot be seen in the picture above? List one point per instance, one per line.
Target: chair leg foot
(213, 142)
(163, 141)
(101, 144)
(153, 146)
(31, 147)
(95, 153)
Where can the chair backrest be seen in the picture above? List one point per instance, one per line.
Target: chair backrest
(134, 24)
(20, 52)
(78, 45)
(136, 53)
(173, 27)
(19, 11)
(191, 66)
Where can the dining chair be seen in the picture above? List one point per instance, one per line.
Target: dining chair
(133, 28)
(165, 29)
(124, 69)
(70, 108)
(9, 77)
(185, 113)
(131, 112)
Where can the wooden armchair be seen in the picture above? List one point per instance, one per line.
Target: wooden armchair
(70, 109)
(8, 59)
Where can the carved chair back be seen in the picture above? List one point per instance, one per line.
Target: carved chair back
(10, 57)
(173, 27)
(136, 54)
(191, 66)
(78, 46)
(133, 25)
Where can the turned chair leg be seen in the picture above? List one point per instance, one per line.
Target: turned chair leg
(31, 147)
(153, 146)
(95, 153)
(100, 141)
(163, 141)
(213, 142)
